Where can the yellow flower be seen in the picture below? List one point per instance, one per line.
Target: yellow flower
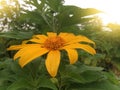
(51, 45)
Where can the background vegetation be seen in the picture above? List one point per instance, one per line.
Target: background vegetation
(20, 21)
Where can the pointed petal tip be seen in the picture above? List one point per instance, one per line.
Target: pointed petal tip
(53, 75)
(22, 64)
(52, 62)
(93, 52)
(11, 48)
(14, 58)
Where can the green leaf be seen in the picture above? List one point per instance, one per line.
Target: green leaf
(54, 4)
(4, 76)
(17, 35)
(101, 85)
(20, 83)
(71, 15)
(111, 77)
(4, 71)
(3, 87)
(80, 68)
(44, 82)
(80, 73)
(91, 76)
(2, 48)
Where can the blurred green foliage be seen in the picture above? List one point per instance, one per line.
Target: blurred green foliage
(21, 21)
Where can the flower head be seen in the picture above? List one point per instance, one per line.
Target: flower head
(51, 44)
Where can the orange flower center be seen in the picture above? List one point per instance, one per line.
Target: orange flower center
(54, 43)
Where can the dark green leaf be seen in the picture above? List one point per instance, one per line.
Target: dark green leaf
(102, 85)
(20, 83)
(17, 35)
(54, 4)
(46, 83)
(80, 73)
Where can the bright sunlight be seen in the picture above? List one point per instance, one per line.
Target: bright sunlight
(110, 8)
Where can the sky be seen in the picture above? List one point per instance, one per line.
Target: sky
(109, 7)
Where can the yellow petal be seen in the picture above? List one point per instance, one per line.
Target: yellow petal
(39, 38)
(25, 41)
(31, 56)
(80, 39)
(16, 47)
(52, 62)
(73, 55)
(22, 49)
(19, 54)
(67, 36)
(87, 48)
(36, 40)
(51, 34)
(29, 53)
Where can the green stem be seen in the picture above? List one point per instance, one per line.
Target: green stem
(54, 26)
(44, 17)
